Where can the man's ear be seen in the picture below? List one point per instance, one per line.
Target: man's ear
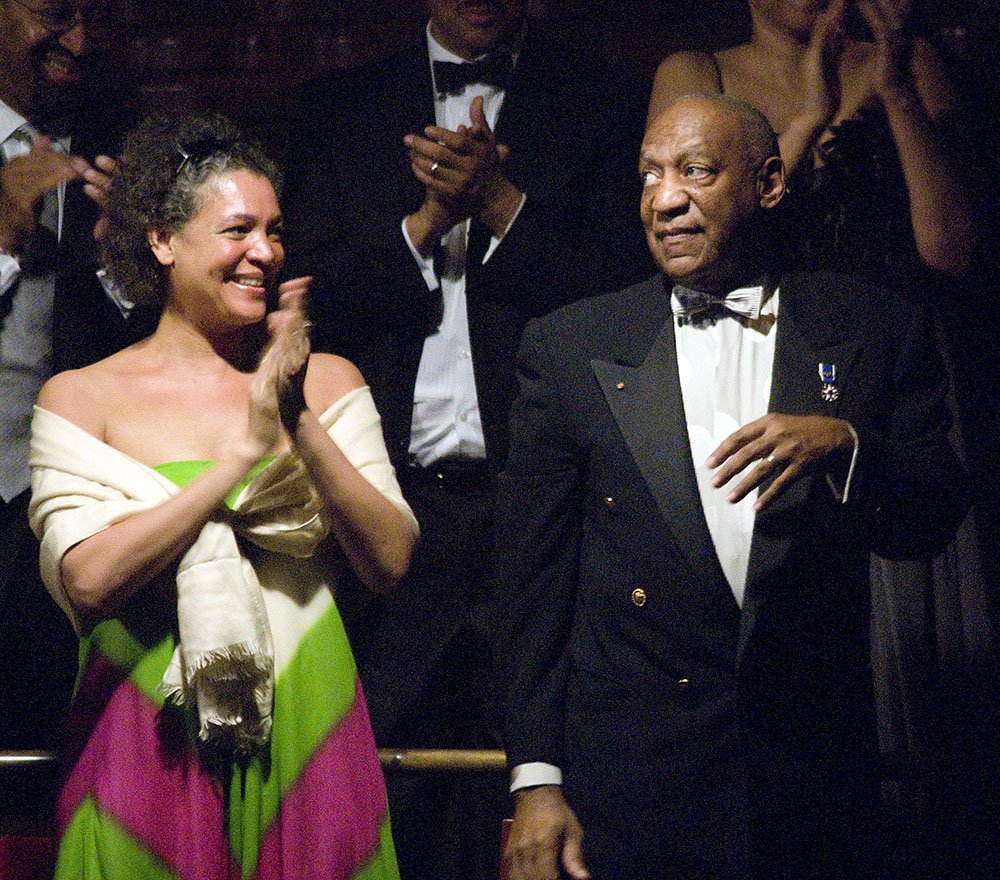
(161, 243)
(771, 182)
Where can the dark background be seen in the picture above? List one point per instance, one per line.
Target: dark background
(243, 57)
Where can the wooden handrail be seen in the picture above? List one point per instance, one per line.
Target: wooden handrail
(474, 760)
(23, 757)
(464, 760)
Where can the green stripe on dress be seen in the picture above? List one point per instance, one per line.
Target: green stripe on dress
(108, 851)
(375, 868)
(183, 472)
(144, 665)
(300, 727)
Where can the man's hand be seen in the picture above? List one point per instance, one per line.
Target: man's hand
(783, 445)
(97, 186)
(544, 828)
(462, 172)
(24, 181)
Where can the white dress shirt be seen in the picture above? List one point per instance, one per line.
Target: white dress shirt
(725, 375)
(446, 421)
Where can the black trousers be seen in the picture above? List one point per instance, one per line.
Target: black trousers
(37, 667)
(424, 659)
(37, 645)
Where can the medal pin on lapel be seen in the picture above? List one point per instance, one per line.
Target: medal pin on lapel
(828, 377)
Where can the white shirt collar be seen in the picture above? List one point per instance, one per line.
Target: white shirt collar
(10, 121)
(438, 52)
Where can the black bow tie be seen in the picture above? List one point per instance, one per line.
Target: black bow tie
(494, 70)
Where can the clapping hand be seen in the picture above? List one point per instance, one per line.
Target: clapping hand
(462, 167)
(97, 186)
(821, 63)
(887, 20)
(276, 392)
(24, 181)
(462, 173)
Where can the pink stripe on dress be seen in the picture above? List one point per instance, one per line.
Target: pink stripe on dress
(139, 767)
(100, 679)
(342, 781)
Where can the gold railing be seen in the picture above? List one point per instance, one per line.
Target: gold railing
(453, 760)
(470, 760)
(21, 758)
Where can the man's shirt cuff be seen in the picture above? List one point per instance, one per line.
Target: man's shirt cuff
(534, 774)
(10, 271)
(494, 241)
(841, 493)
(425, 264)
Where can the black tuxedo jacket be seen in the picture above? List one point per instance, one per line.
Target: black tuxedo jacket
(574, 129)
(86, 324)
(623, 631)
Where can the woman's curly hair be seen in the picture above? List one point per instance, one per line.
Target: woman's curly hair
(165, 162)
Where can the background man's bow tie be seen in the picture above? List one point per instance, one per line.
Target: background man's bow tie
(695, 306)
(494, 70)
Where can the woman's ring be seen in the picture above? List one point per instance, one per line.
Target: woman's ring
(434, 168)
(771, 460)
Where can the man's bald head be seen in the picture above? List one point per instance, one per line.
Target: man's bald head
(760, 139)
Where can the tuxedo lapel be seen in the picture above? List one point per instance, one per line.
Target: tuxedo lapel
(406, 101)
(806, 338)
(527, 117)
(644, 395)
(509, 127)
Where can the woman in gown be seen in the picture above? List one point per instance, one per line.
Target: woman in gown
(195, 495)
(857, 123)
(872, 190)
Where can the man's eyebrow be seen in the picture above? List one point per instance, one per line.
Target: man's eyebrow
(648, 151)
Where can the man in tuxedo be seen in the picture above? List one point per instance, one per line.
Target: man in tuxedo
(441, 198)
(699, 467)
(54, 314)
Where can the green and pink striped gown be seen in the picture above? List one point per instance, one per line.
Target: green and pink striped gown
(142, 802)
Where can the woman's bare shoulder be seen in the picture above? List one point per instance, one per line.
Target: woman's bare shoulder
(329, 378)
(683, 73)
(86, 395)
(77, 396)
(737, 57)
